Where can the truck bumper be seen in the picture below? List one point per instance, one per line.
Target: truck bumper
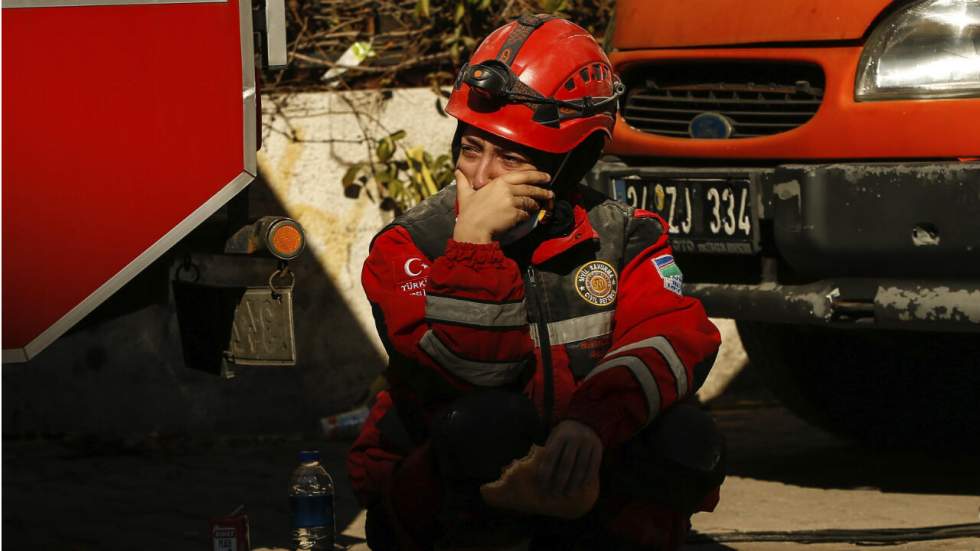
(888, 245)
(919, 219)
(892, 304)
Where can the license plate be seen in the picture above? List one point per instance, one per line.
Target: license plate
(704, 215)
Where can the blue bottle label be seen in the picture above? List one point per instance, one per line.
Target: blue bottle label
(312, 511)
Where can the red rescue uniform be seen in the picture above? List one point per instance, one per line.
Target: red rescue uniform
(591, 324)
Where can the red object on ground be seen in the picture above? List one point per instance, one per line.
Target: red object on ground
(230, 532)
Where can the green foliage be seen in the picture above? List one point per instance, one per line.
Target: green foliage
(403, 182)
(552, 6)
(399, 43)
(412, 42)
(473, 19)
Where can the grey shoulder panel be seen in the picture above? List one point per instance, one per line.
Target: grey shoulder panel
(610, 219)
(617, 221)
(430, 223)
(640, 234)
(607, 217)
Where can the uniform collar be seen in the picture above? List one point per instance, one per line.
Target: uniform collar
(580, 232)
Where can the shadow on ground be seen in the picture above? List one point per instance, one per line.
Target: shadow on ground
(767, 442)
(154, 494)
(704, 542)
(160, 491)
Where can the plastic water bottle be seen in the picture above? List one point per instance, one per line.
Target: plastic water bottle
(311, 504)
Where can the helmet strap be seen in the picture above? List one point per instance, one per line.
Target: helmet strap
(526, 25)
(456, 145)
(556, 177)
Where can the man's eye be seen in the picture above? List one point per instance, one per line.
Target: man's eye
(470, 148)
(514, 160)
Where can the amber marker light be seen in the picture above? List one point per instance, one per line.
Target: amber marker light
(286, 239)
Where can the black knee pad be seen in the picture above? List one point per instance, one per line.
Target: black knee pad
(378, 531)
(678, 460)
(688, 437)
(482, 432)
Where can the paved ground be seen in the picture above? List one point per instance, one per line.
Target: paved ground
(158, 492)
(788, 476)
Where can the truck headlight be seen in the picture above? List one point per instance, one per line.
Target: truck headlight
(931, 49)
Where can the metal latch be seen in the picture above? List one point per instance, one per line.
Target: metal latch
(270, 22)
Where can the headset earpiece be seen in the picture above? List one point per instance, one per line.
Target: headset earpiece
(490, 78)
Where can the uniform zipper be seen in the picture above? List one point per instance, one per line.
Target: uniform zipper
(545, 343)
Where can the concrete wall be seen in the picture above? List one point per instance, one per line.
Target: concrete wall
(305, 174)
(126, 374)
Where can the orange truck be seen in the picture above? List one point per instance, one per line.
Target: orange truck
(817, 163)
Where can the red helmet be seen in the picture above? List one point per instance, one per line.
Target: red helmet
(539, 81)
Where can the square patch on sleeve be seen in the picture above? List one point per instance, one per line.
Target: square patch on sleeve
(670, 273)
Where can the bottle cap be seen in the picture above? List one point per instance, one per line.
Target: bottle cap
(307, 456)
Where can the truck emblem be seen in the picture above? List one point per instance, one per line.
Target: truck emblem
(710, 126)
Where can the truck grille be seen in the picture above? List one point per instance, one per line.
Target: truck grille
(757, 99)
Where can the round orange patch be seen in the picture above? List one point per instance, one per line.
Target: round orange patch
(595, 282)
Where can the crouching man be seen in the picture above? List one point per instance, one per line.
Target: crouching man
(541, 349)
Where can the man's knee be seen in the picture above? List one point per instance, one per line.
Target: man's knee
(482, 432)
(689, 437)
(435, 496)
(378, 530)
(678, 461)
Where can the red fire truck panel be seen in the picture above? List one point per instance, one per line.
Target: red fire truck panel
(123, 127)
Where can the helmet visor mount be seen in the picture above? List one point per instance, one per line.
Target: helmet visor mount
(494, 81)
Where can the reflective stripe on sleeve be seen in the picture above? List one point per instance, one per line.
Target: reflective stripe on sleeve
(481, 314)
(477, 373)
(663, 346)
(643, 376)
(576, 329)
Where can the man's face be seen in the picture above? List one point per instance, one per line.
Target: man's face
(483, 157)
